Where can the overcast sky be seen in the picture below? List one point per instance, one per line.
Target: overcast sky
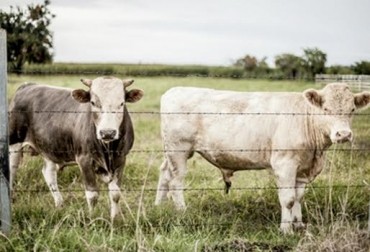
(214, 32)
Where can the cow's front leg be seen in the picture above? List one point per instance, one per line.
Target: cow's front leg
(177, 163)
(163, 183)
(115, 193)
(297, 209)
(15, 157)
(286, 180)
(89, 179)
(50, 175)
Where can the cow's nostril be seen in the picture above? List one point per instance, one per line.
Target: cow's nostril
(108, 134)
(343, 135)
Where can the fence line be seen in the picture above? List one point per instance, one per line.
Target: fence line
(189, 113)
(204, 150)
(360, 82)
(252, 188)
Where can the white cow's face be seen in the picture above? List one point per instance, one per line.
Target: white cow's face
(107, 97)
(337, 104)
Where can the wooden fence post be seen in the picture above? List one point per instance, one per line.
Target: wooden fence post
(5, 215)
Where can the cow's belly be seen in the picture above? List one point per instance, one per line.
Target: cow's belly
(235, 153)
(232, 161)
(235, 147)
(60, 151)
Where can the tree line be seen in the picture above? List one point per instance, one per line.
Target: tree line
(30, 41)
(291, 66)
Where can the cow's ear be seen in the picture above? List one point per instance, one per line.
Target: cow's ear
(134, 95)
(81, 95)
(362, 100)
(313, 97)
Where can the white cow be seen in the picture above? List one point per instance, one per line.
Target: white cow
(285, 131)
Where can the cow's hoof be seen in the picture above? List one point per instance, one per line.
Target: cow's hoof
(299, 226)
(227, 187)
(286, 228)
(180, 207)
(59, 204)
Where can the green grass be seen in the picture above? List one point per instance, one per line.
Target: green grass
(213, 221)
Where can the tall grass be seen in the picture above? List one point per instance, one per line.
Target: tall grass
(335, 204)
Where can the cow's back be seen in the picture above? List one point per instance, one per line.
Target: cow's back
(47, 118)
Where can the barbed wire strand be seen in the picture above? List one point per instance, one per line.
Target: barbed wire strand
(204, 150)
(189, 113)
(199, 189)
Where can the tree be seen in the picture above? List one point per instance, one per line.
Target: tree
(314, 61)
(362, 67)
(289, 64)
(263, 67)
(253, 67)
(248, 62)
(339, 69)
(29, 39)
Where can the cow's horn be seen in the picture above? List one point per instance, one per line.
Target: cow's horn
(128, 82)
(86, 82)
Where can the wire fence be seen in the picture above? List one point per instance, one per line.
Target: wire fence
(363, 186)
(190, 113)
(237, 150)
(200, 189)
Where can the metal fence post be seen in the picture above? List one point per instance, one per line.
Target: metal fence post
(5, 215)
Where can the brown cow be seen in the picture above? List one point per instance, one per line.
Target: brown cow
(91, 128)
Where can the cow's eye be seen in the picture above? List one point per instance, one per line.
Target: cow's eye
(122, 104)
(353, 110)
(95, 104)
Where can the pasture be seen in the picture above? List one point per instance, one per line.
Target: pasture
(247, 219)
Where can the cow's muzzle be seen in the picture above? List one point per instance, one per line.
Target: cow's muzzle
(342, 136)
(108, 134)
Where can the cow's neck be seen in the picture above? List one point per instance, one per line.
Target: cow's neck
(314, 131)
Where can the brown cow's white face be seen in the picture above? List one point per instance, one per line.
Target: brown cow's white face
(107, 97)
(337, 103)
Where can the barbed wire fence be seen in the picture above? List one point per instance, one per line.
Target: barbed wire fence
(145, 151)
(5, 221)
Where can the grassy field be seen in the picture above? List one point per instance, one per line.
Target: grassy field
(335, 205)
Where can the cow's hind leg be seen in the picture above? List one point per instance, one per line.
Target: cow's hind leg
(50, 174)
(163, 182)
(15, 158)
(226, 175)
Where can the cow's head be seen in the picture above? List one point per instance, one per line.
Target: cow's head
(337, 104)
(107, 97)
